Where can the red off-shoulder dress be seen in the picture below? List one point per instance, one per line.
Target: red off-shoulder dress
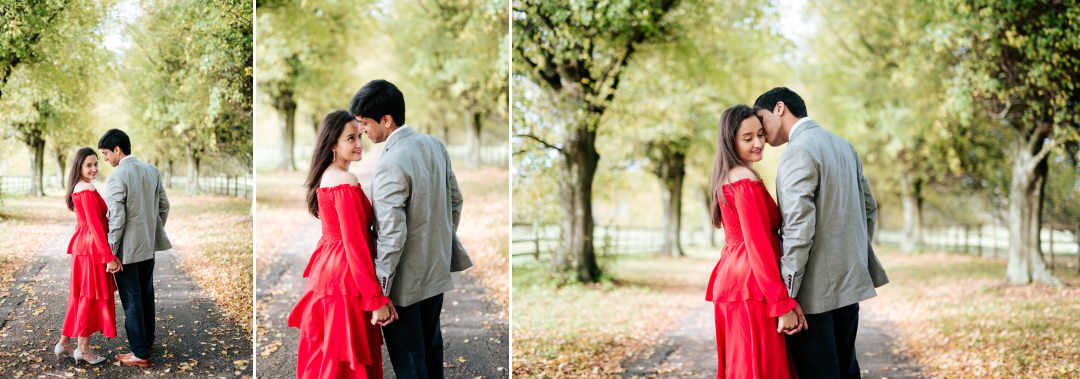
(745, 287)
(90, 306)
(337, 339)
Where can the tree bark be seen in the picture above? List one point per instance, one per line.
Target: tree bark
(193, 170)
(579, 167)
(706, 194)
(912, 201)
(60, 159)
(286, 106)
(671, 170)
(169, 173)
(474, 128)
(1026, 262)
(36, 143)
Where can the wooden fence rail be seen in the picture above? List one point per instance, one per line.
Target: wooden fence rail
(1060, 242)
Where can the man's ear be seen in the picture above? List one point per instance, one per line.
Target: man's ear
(779, 109)
(386, 120)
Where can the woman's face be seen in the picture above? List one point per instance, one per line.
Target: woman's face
(349, 146)
(89, 168)
(750, 140)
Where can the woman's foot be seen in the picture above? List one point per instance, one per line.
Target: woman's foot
(62, 349)
(88, 356)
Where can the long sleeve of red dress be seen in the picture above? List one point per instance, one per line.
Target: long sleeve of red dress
(93, 208)
(751, 203)
(356, 235)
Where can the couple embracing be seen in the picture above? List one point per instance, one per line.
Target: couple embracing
(787, 288)
(382, 265)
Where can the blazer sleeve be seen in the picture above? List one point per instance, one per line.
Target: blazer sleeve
(116, 200)
(354, 235)
(390, 192)
(796, 189)
(96, 220)
(753, 216)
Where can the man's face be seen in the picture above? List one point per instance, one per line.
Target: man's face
(111, 156)
(771, 122)
(376, 131)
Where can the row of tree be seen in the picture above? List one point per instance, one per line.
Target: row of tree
(955, 97)
(186, 80)
(451, 57)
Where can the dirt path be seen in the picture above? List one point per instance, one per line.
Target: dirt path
(193, 338)
(690, 350)
(475, 332)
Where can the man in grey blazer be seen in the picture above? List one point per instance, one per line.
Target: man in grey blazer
(137, 211)
(828, 214)
(417, 208)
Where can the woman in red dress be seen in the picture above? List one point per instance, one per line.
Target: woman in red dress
(343, 306)
(90, 296)
(751, 303)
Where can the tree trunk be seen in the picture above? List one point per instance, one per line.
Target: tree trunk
(474, 138)
(169, 173)
(192, 171)
(671, 169)
(912, 200)
(706, 192)
(1026, 262)
(60, 159)
(286, 106)
(579, 167)
(36, 143)
(315, 123)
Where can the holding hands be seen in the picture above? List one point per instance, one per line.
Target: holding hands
(384, 315)
(792, 322)
(114, 266)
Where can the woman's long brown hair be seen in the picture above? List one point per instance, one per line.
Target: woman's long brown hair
(75, 174)
(323, 155)
(726, 156)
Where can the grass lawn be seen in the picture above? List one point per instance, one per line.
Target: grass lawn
(955, 315)
(27, 224)
(566, 330)
(213, 236)
(958, 318)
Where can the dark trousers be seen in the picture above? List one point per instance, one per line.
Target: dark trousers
(827, 348)
(414, 341)
(136, 285)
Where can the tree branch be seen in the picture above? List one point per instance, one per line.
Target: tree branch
(539, 140)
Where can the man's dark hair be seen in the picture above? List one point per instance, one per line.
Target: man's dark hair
(791, 100)
(115, 138)
(378, 98)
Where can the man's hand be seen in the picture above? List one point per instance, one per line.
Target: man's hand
(788, 322)
(114, 266)
(379, 316)
(393, 314)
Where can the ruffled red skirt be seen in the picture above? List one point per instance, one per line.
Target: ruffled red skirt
(747, 343)
(90, 307)
(337, 339)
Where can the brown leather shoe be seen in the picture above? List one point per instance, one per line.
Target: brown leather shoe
(129, 359)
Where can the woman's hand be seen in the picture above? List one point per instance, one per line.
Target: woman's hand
(380, 315)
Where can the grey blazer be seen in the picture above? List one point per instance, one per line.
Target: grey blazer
(828, 213)
(417, 208)
(138, 208)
